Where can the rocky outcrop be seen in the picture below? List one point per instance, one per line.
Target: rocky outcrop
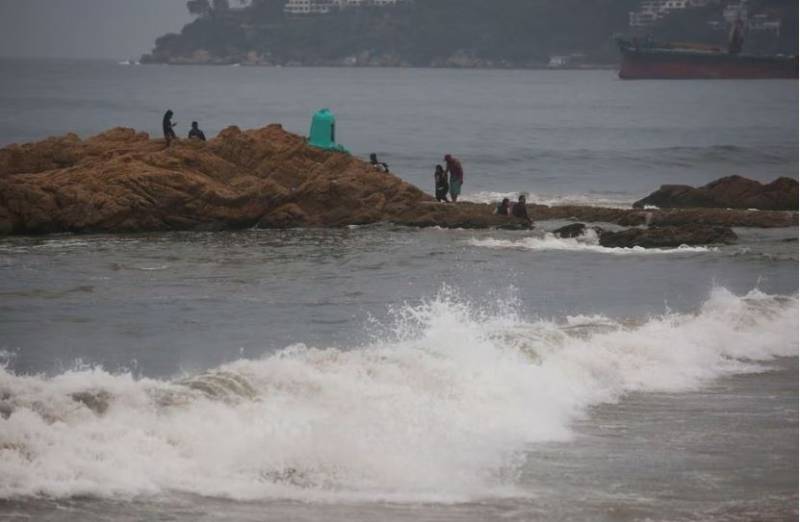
(664, 237)
(652, 237)
(123, 181)
(729, 192)
(570, 231)
(666, 217)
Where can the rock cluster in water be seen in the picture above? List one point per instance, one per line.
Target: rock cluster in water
(728, 192)
(123, 181)
(653, 237)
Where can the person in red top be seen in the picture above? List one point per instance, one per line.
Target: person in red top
(456, 176)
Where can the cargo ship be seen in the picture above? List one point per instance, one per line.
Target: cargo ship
(650, 60)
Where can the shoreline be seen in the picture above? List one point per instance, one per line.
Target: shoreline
(233, 63)
(129, 62)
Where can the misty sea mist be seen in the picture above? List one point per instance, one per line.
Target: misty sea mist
(390, 373)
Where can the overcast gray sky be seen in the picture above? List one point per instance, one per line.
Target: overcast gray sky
(86, 28)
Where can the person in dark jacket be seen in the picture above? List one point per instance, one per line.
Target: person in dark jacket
(520, 210)
(195, 133)
(168, 127)
(440, 177)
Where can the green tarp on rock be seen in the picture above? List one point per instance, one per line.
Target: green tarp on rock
(323, 131)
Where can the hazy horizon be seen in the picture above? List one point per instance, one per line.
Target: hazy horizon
(98, 29)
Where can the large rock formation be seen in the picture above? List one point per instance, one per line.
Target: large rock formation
(729, 192)
(122, 181)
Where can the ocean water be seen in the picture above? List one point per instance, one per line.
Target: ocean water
(385, 373)
(580, 136)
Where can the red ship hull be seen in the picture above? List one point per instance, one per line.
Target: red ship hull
(675, 64)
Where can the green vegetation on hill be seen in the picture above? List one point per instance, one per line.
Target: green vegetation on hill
(459, 33)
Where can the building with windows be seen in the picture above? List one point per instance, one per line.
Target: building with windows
(651, 11)
(308, 7)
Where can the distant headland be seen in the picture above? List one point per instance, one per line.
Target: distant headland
(455, 33)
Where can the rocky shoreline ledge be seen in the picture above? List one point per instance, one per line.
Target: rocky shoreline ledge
(123, 181)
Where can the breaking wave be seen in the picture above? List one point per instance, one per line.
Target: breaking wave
(588, 242)
(440, 407)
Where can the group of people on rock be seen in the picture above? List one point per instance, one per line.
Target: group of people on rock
(451, 185)
(518, 210)
(443, 186)
(449, 179)
(169, 129)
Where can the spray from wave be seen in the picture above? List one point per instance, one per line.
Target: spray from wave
(439, 409)
(588, 242)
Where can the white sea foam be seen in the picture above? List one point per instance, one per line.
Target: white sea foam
(588, 242)
(590, 200)
(441, 408)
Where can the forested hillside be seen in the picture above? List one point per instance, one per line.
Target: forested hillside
(456, 33)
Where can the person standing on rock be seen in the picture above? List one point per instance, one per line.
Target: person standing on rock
(440, 178)
(195, 133)
(168, 127)
(456, 176)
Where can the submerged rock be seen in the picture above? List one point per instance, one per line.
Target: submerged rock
(666, 217)
(728, 192)
(570, 231)
(664, 237)
(96, 400)
(652, 237)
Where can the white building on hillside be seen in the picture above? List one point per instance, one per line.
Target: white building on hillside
(651, 11)
(305, 7)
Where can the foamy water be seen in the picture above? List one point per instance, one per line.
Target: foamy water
(440, 407)
(590, 200)
(588, 242)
